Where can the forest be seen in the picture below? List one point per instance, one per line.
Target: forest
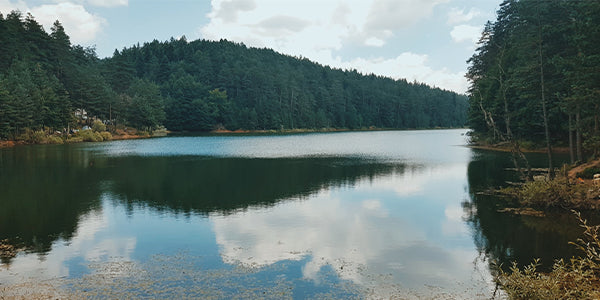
(535, 77)
(46, 83)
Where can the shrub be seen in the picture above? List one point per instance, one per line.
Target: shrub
(33, 137)
(578, 279)
(90, 136)
(546, 193)
(106, 135)
(589, 173)
(98, 137)
(55, 140)
(74, 139)
(98, 126)
(556, 193)
(527, 145)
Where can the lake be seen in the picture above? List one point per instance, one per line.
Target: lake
(319, 215)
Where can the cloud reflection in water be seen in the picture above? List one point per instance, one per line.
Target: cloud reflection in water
(392, 226)
(87, 245)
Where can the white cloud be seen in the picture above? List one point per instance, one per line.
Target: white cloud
(228, 10)
(457, 16)
(281, 25)
(397, 14)
(412, 67)
(466, 33)
(101, 3)
(108, 3)
(372, 21)
(375, 42)
(299, 28)
(6, 6)
(80, 25)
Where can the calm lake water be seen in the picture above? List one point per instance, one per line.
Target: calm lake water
(320, 215)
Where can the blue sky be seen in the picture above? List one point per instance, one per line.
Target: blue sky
(424, 40)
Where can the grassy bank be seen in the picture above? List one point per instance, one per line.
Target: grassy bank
(97, 133)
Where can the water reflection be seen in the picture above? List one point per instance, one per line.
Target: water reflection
(44, 191)
(374, 227)
(202, 185)
(504, 237)
(67, 254)
(69, 184)
(388, 211)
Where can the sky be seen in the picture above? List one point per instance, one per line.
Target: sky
(428, 41)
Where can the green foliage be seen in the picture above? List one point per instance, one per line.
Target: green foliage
(196, 86)
(55, 140)
(146, 107)
(589, 173)
(208, 85)
(106, 136)
(534, 51)
(556, 193)
(578, 279)
(74, 139)
(592, 143)
(527, 145)
(33, 136)
(38, 137)
(547, 193)
(98, 126)
(90, 136)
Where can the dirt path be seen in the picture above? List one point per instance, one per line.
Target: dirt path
(573, 172)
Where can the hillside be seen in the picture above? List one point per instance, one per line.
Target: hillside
(268, 90)
(46, 83)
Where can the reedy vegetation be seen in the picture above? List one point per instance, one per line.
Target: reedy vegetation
(577, 279)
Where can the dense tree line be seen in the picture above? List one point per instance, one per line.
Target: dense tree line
(536, 76)
(197, 86)
(208, 84)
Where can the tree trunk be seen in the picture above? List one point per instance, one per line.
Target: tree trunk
(596, 120)
(544, 110)
(291, 110)
(578, 134)
(571, 146)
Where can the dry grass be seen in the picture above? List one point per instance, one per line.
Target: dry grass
(577, 279)
(557, 193)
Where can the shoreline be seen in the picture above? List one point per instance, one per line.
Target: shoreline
(309, 130)
(11, 143)
(524, 150)
(127, 136)
(570, 190)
